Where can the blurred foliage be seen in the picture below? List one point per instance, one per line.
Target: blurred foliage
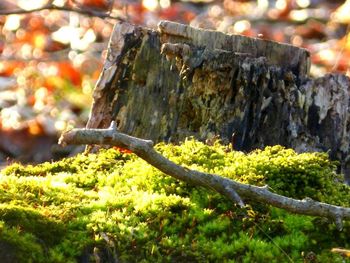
(113, 206)
(51, 58)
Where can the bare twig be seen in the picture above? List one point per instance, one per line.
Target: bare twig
(235, 191)
(342, 251)
(50, 6)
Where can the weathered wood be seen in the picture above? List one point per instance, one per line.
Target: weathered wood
(278, 54)
(179, 81)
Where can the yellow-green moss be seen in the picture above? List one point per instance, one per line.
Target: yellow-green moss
(116, 206)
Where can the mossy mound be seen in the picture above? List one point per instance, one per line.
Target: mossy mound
(115, 207)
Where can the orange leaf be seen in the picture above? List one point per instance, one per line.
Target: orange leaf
(122, 150)
(67, 71)
(99, 4)
(35, 128)
(8, 67)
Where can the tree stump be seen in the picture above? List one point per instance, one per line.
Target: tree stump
(179, 81)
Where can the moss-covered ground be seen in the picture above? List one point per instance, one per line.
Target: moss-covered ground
(114, 207)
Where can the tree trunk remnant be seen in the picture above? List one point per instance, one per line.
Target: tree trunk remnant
(179, 81)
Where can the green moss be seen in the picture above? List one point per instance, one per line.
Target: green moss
(30, 221)
(115, 206)
(19, 246)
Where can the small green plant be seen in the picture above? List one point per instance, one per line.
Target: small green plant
(113, 206)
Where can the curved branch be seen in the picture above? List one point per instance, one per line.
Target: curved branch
(87, 12)
(230, 188)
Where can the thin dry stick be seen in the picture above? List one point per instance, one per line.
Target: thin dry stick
(235, 191)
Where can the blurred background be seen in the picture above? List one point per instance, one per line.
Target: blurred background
(51, 53)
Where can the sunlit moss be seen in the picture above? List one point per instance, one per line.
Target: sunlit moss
(116, 206)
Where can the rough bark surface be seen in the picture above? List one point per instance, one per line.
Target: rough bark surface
(179, 81)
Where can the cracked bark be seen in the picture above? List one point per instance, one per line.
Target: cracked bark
(178, 81)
